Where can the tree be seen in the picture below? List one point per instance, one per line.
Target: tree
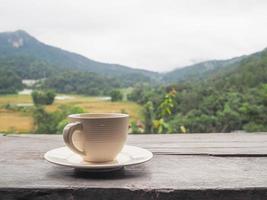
(116, 95)
(43, 97)
(9, 82)
(50, 97)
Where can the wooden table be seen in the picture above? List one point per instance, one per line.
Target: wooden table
(185, 166)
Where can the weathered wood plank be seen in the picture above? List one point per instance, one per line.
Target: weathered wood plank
(232, 144)
(26, 175)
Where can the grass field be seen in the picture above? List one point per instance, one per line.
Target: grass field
(16, 121)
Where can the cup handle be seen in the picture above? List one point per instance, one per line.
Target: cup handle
(68, 131)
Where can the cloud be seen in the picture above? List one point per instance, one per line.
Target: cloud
(152, 34)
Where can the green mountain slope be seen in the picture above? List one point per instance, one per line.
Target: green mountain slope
(201, 70)
(232, 99)
(28, 58)
(250, 72)
(22, 50)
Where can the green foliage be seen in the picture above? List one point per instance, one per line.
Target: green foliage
(228, 100)
(43, 97)
(177, 124)
(116, 95)
(254, 127)
(50, 97)
(61, 125)
(135, 128)
(143, 93)
(44, 122)
(213, 96)
(65, 71)
(54, 122)
(81, 83)
(155, 119)
(62, 113)
(166, 107)
(160, 126)
(9, 82)
(148, 113)
(201, 70)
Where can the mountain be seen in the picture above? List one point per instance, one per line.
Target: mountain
(251, 72)
(28, 58)
(230, 99)
(201, 70)
(22, 50)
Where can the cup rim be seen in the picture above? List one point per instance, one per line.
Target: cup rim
(98, 115)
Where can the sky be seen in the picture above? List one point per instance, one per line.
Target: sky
(157, 35)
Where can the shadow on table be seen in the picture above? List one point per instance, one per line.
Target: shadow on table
(122, 173)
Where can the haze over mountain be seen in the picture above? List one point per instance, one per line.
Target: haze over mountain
(200, 70)
(213, 68)
(20, 44)
(32, 59)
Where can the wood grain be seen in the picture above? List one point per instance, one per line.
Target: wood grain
(183, 167)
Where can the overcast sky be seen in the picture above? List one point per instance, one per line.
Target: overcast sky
(158, 35)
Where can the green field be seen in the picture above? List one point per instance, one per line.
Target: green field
(21, 122)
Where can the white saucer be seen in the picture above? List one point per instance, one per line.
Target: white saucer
(130, 155)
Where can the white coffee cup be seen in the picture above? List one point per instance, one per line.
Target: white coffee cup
(97, 137)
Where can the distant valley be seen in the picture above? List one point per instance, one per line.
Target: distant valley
(211, 96)
(27, 58)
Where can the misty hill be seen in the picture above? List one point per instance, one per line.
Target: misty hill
(215, 69)
(201, 70)
(233, 98)
(24, 57)
(20, 50)
(251, 72)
